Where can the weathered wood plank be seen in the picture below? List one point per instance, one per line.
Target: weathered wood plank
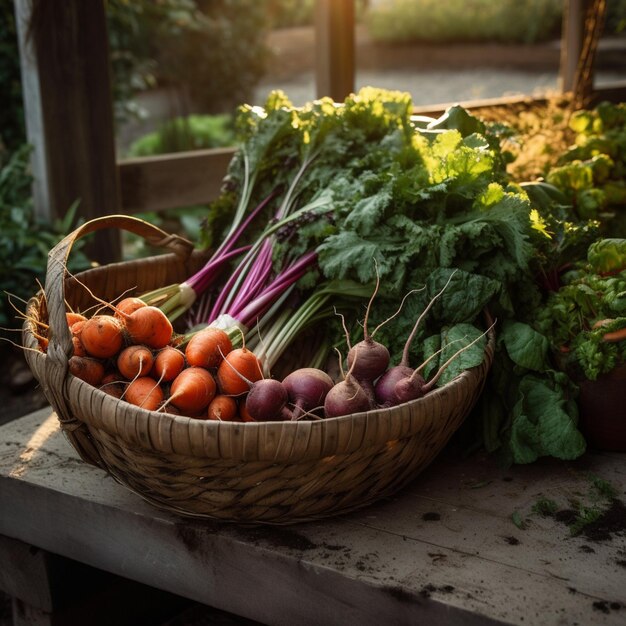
(443, 551)
(172, 180)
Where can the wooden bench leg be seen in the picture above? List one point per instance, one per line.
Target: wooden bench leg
(51, 590)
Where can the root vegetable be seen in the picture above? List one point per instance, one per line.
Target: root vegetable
(385, 386)
(237, 371)
(135, 361)
(266, 401)
(87, 369)
(102, 336)
(207, 348)
(368, 359)
(413, 387)
(127, 306)
(307, 388)
(149, 326)
(168, 364)
(192, 390)
(223, 408)
(347, 396)
(144, 392)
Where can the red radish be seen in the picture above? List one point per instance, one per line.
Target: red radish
(102, 336)
(192, 390)
(144, 392)
(237, 371)
(87, 369)
(168, 363)
(134, 361)
(207, 347)
(306, 389)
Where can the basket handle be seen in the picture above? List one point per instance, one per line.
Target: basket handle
(60, 346)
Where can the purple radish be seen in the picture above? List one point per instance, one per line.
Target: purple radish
(346, 397)
(267, 400)
(414, 387)
(384, 389)
(306, 389)
(373, 357)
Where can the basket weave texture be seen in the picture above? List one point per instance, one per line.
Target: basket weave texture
(262, 472)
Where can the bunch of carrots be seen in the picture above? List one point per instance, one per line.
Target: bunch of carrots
(135, 355)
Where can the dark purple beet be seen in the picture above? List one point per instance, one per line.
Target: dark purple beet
(410, 388)
(266, 400)
(346, 397)
(306, 389)
(368, 360)
(384, 389)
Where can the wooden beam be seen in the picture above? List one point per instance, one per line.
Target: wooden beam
(69, 113)
(173, 180)
(335, 60)
(574, 12)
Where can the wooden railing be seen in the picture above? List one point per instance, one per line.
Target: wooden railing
(66, 78)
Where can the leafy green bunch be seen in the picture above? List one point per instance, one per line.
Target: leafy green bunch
(592, 173)
(584, 319)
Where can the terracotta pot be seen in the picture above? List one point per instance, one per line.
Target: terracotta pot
(602, 405)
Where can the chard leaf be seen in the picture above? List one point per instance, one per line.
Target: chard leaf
(367, 212)
(543, 423)
(526, 347)
(453, 340)
(524, 438)
(463, 299)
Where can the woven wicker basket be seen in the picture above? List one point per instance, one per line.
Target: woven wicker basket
(263, 472)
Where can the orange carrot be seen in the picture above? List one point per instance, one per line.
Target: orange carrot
(192, 390)
(168, 364)
(127, 306)
(207, 347)
(78, 346)
(87, 369)
(223, 408)
(239, 368)
(144, 392)
(149, 326)
(244, 414)
(101, 336)
(114, 389)
(72, 318)
(134, 361)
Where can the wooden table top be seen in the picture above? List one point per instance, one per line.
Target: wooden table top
(465, 543)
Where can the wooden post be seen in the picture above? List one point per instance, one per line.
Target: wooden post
(334, 34)
(69, 116)
(574, 12)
